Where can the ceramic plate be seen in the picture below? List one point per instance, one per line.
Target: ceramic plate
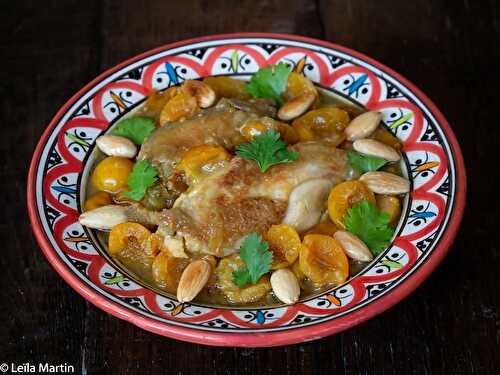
(431, 216)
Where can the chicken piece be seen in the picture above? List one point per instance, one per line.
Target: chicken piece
(217, 126)
(318, 159)
(139, 214)
(214, 215)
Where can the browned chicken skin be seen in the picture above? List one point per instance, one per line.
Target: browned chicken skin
(213, 215)
(217, 126)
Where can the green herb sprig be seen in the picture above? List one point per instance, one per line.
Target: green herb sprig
(370, 225)
(135, 128)
(142, 177)
(267, 149)
(269, 82)
(254, 252)
(365, 163)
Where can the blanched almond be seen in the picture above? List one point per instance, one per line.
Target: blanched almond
(306, 203)
(114, 145)
(385, 183)
(353, 246)
(105, 217)
(296, 107)
(363, 125)
(203, 93)
(193, 279)
(285, 286)
(376, 148)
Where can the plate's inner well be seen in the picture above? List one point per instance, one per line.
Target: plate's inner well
(214, 297)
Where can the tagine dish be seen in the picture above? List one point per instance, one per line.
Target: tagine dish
(247, 190)
(233, 192)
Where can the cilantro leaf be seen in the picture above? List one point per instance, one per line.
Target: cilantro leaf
(370, 225)
(143, 176)
(241, 277)
(269, 82)
(266, 149)
(365, 163)
(254, 252)
(135, 128)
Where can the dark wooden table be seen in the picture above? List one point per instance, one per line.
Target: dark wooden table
(450, 49)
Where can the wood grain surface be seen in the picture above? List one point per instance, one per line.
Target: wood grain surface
(450, 49)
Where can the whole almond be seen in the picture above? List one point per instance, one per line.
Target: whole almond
(193, 279)
(114, 145)
(105, 217)
(203, 93)
(296, 107)
(353, 246)
(385, 183)
(375, 148)
(285, 286)
(306, 203)
(363, 125)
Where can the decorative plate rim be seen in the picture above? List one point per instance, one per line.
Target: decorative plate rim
(264, 339)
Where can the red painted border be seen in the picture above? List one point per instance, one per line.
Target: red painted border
(269, 338)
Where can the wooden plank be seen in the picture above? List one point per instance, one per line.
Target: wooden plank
(450, 50)
(129, 30)
(46, 57)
